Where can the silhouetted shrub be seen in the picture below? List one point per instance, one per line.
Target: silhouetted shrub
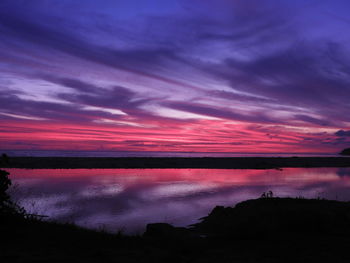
(5, 183)
(345, 151)
(7, 206)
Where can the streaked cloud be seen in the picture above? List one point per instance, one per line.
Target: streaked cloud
(232, 76)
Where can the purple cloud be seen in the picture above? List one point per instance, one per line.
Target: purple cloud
(284, 67)
(342, 133)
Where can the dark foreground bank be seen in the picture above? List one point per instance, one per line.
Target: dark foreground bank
(176, 162)
(260, 230)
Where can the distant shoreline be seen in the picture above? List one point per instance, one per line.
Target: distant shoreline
(155, 154)
(176, 162)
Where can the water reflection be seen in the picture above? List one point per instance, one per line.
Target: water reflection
(128, 199)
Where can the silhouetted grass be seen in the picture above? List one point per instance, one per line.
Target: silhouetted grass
(244, 234)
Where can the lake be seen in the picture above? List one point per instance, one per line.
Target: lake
(128, 199)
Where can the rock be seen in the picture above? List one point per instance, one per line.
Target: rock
(275, 216)
(165, 230)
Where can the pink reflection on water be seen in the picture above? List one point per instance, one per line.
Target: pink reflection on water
(221, 176)
(130, 198)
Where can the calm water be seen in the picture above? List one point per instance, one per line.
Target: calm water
(128, 199)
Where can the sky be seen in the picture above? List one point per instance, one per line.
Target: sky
(246, 76)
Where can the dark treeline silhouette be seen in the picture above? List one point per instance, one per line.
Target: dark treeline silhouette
(176, 162)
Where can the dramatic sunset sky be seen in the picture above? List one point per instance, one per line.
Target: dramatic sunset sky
(175, 75)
